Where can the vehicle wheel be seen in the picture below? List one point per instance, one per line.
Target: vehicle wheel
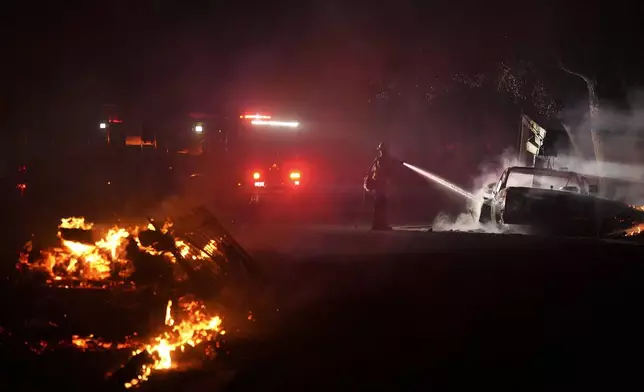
(486, 213)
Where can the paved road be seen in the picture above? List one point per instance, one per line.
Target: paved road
(303, 241)
(346, 308)
(410, 310)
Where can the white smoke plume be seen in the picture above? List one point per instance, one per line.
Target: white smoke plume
(623, 144)
(622, 174)
(489, 172)
(620, 181)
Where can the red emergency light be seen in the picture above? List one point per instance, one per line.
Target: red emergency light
(22, 187)
(295, 176)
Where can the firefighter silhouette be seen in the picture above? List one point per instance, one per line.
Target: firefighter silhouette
(377, 183)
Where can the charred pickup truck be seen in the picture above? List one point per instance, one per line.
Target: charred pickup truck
(554, 202)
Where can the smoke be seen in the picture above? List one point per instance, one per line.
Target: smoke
(627, 120)
(189, 194)
(622, 127)
(489, 173)
(619, 181)
(620, 177)
(622, 134)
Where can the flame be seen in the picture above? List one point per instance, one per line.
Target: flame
(75, 223)
(190, 326)
(91, 343)
(187, 323)
(168, 314)
(189, 252)
(194, 327)
(76, 260)
(101, 260)
(167, 225)
(637, 229)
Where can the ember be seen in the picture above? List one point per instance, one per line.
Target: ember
(103, 259)
(188, 324)
(194, 327)
(125, 256)
(637, 229)
(91, 343)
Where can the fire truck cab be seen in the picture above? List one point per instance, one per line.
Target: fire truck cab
(267, 154)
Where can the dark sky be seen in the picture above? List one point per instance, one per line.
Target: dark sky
(66, 57)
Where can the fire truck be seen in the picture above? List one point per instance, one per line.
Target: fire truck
(265, 156)
(248, 156)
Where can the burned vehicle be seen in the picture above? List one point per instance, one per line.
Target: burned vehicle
(554, 202)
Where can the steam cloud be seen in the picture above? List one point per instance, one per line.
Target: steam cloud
(489, 172)
(623, 144)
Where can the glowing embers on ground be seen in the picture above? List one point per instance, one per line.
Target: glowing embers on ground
(187, 324)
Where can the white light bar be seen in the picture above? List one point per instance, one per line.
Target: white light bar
(289, 124)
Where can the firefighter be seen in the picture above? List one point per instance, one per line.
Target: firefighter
(377, 183)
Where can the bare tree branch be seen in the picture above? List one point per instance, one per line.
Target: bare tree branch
(593, 104)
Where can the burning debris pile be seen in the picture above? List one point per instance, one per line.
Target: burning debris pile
(188, 327)
(135, 257)
(113, 257)
(190, 332)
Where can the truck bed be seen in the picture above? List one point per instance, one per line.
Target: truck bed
(562, 210)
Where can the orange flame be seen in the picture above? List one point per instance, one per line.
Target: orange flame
(186, 325)
(103, 259)
(195, 328)
(192, 327)
(82, 261)
(637, 229)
